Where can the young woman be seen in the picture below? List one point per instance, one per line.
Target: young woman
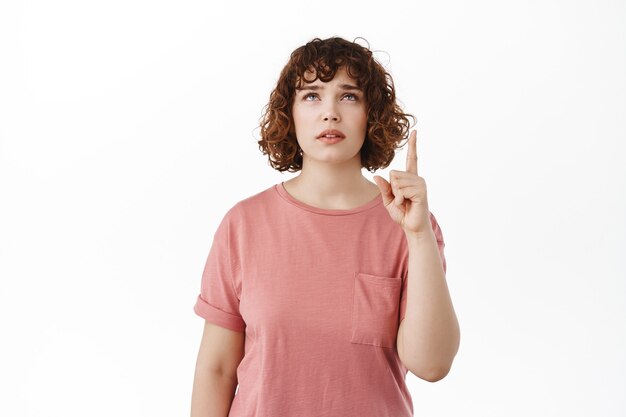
(320, 293)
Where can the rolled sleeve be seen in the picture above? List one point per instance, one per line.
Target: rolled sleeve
(218, 299)
(219, 317)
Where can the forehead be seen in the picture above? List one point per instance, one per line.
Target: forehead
(341, 76)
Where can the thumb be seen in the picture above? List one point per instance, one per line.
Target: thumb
(385, 189)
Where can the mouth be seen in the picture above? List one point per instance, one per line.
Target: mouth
(331, 134)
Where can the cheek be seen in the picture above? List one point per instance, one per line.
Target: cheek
(296, 115)
(300, 114)
(359, 113)
(361, 119)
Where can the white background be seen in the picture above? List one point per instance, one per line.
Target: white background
(128, 128)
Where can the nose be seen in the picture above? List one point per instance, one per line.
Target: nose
(331, 114)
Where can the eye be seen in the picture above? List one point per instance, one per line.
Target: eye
(354, 96)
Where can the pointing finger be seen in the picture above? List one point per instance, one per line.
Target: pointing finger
(411, 155)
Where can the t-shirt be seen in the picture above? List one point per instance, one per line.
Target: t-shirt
(319, 294)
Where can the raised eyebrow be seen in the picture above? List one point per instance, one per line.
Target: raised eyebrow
(321, 87)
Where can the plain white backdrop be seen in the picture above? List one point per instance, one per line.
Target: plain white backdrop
(128, 128)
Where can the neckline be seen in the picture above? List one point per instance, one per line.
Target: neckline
(282, 191)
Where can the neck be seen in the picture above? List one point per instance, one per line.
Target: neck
(332, 185)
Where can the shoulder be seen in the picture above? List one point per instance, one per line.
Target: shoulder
(252, 205)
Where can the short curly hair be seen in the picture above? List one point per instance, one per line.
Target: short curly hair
(387, 124)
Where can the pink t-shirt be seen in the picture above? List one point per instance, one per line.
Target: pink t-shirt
(319, 294)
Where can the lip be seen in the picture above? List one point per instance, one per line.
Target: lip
(331, 132)
(330, 140)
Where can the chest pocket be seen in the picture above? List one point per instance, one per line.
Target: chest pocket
(375, 305)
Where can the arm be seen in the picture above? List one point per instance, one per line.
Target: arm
(215, 380)
(428, 337)
(213, 394)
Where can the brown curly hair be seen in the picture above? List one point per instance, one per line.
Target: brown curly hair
(387, 124)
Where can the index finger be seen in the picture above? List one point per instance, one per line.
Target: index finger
(411, 155)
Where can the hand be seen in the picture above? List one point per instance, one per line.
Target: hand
(405, 198)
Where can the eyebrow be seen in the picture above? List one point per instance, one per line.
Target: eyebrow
(321, 87)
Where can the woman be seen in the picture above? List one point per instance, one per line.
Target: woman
(305, 291)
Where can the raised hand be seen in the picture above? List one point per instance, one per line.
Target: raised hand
(405, 198)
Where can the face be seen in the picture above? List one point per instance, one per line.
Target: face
(338, 104)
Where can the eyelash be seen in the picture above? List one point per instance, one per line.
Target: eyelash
(356, 98)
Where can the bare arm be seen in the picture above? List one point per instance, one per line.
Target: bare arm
(429, 335)
(215, 379)
(212, 394)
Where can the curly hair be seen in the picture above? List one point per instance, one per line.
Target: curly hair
(387, 124)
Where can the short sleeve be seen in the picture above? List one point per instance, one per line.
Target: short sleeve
(218, 302)
(440, 245)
